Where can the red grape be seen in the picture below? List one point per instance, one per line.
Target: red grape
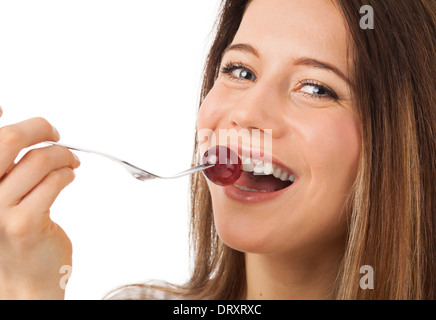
(228, 166)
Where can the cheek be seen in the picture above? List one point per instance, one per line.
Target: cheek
(332, 149)
(338, 146)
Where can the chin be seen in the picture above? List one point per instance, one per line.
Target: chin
(243, 235)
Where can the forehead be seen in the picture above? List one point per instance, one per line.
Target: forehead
(295, 28)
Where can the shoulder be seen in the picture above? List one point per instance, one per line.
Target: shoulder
(153, 290)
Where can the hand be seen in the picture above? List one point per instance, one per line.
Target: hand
(32, 247)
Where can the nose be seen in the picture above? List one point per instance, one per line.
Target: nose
(260, 107)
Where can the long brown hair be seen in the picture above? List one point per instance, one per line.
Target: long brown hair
(392, 226)
(392, 204)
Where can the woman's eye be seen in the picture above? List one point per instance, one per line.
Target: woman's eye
(316, 90)
(238, 71)
(243, 74)
(312, 89)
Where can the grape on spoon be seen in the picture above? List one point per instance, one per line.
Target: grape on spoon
(219, 164)
(227, 165)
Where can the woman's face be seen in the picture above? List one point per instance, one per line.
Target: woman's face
(285, 76)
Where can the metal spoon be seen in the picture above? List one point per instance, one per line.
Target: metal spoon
(135, 171)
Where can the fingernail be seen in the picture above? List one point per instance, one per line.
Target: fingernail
(56, 132)
(77, 159)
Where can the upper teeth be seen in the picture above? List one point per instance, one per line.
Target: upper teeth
(266, 168)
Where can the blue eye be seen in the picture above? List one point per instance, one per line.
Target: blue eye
(314, 89)
(238, 71)
(311, 89)
(243, 74)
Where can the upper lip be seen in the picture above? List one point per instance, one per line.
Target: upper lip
(260, 155)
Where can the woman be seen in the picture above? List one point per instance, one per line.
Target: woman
(352, 114)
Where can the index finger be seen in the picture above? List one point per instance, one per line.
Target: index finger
(15, 137)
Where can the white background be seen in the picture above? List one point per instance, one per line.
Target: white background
(122, 77)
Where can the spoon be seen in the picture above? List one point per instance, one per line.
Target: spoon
(135, 171)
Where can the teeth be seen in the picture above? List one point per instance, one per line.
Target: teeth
(277, 173)
(257, 161)
(265, 168)
(247, 164)
(268, 168)
(258, 168)
(248, 189)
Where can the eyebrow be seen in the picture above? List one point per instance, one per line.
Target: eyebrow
(242, 47)
(303, 61)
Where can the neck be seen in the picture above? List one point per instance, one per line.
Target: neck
(290, 277)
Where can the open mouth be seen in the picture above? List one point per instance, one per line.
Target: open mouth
(263, 176)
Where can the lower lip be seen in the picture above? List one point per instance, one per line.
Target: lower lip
(252, 197)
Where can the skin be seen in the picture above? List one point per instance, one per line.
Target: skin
(293, 243)
(32, 247)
